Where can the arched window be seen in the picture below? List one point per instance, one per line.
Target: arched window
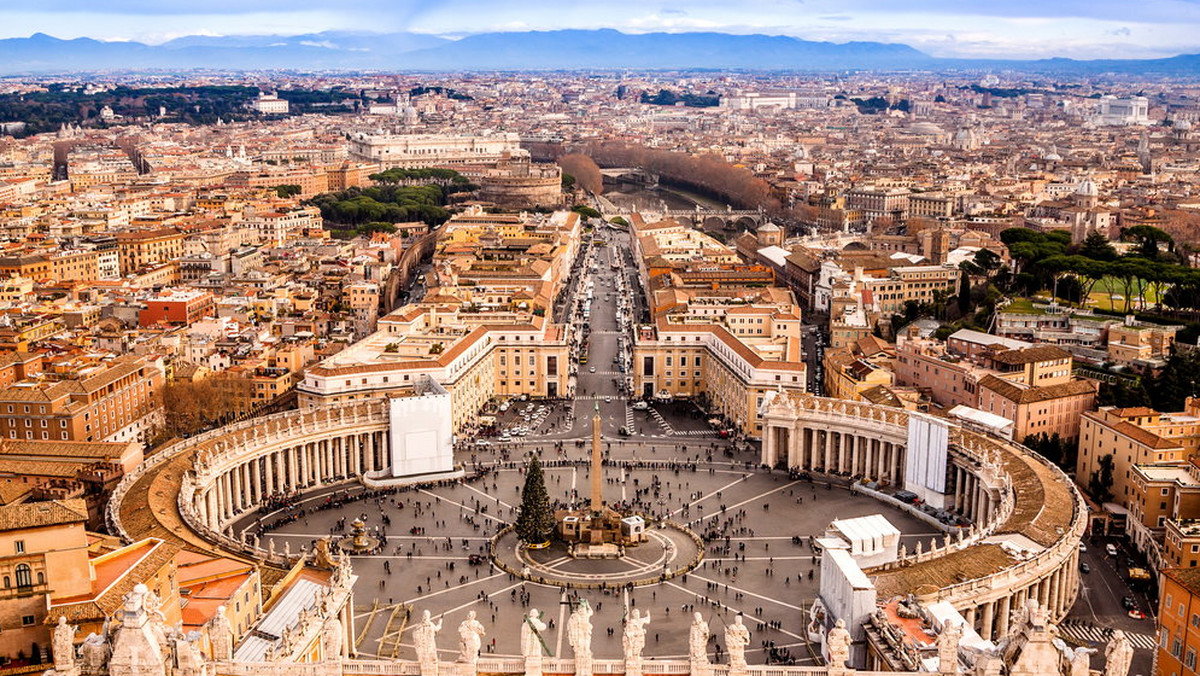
(24, 575)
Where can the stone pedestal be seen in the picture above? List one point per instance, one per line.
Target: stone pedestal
(633, 667)
(533, 666)
(700, 668)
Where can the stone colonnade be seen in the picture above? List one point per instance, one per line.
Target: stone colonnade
(1055, 591)
(851, 452)
(815, 434)
(285, 460)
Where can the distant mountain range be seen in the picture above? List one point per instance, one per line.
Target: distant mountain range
(601, 49)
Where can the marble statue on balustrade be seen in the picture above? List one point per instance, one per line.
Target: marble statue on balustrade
(64, 646)
(633, 641)
(188, 660)
(425, 641)
(579, 635)
(1118, 655)
(737, 638)
(1081, 661)
(220, 636)
(531, 642)
(470, 640)
(332, 639)
(947, 647)
(137, 644)
(838, 645)
(94, 654)
(698, 645)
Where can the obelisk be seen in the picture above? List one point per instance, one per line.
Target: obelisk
(597, 467)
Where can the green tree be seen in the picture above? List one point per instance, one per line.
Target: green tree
(535, 522)
(985, 263)
(1177, 381)
(568, 181)
(1123, 395)
(585, 211)
(1097, 247)
(1100, 483)
(964, 293)
(1148, 238)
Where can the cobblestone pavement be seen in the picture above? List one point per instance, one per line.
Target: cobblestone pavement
(434, 531)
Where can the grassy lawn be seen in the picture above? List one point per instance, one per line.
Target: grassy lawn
(1101, 299)
(1023, 306)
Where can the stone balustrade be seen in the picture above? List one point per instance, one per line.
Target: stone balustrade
(507, 666)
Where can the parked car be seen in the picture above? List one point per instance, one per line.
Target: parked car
(1111, 549)
(1084, 568)
(1137, 614)
(640, 406)
(1128, 603)
(1082, 547)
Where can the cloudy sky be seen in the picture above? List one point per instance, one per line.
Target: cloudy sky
(985, 28)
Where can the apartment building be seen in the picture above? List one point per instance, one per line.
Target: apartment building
(865, 364)
(473, 362)
(111, 401)
(1135, 436)
(877, 203)
(1178, 622)
(1035, 390)
(1140, 346)
(1031, 386)
(177, 307)
(140, 248)
(43, 555)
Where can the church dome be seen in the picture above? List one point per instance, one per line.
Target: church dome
(926, 129)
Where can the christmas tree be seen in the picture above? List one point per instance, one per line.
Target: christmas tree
(535, 523)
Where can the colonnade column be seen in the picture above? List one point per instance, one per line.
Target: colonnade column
(1002, 616)
(210, 507)
(988, 614)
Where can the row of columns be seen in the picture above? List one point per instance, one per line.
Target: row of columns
(288, 469)
(824, 450)
(1055, 592)
(971, 497)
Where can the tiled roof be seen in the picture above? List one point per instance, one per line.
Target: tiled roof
(41, 514)
(1029, 395)
(1031, 355)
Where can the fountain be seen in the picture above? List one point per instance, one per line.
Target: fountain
(358, 542)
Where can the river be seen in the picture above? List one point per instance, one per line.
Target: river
(654, 199)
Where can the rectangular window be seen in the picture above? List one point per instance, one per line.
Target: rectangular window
(27, 620)
(20, 546)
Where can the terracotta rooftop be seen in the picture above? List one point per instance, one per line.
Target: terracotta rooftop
(42, 514)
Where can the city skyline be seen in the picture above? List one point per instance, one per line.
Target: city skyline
(1022, 30)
